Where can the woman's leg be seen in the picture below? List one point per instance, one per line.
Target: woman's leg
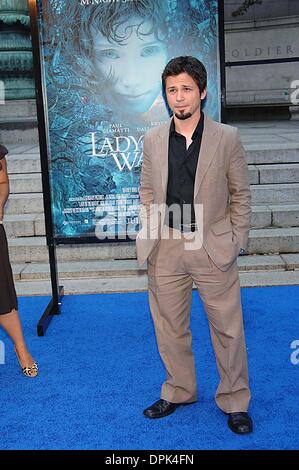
(12, 325)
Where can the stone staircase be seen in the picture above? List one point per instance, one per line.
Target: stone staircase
(272, 153)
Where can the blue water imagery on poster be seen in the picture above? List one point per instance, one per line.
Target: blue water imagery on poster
(101, 64)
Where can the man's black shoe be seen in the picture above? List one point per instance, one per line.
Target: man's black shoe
(240, 423)
(160, 409)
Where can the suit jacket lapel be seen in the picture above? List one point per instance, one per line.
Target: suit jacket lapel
(163, 154)
(210, 140)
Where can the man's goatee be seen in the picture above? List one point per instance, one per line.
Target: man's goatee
(183, 116)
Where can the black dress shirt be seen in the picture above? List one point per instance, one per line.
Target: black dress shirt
(182, 164)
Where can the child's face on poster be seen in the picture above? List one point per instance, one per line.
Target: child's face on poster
(133, 65)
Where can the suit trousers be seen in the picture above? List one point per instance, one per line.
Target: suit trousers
(173, 265)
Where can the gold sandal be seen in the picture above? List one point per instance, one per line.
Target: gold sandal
(28, 370)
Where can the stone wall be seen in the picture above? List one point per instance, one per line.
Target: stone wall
(266, 31)
(266, 10)
(263, 84)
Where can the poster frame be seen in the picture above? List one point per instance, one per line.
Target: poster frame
(53, 241)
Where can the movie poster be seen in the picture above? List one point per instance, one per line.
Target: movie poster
(101, 64)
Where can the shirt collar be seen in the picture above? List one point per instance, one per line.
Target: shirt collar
(198, 130)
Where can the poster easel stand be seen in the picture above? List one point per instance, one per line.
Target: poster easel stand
(53, 307)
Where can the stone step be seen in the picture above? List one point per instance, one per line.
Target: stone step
(25, 163)
(253, 174)
(25, 183)
(285, 215)
(270, 215)
(274, 240)
(263, 216)
(13, 120)
(262, 174)
(20, 171)
(129, 268)
(34, 249)
(21, 155)
(272, 174)
(21, 108)
(24, 225)
(24, 204)
(17, 149)
(275, 193)
(260, 154)
(80, 269)
(27, 133)
(140, 283)
(277, 173)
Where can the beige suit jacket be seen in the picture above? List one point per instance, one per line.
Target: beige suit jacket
(221, 186)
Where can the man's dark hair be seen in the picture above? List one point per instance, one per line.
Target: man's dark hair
(191, 66)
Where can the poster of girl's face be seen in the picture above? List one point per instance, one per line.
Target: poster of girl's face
(102, 67)
(133, 64)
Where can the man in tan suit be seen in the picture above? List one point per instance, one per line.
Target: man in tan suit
(195, 220)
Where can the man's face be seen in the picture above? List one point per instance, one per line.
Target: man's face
(183, 95)
(134, 65)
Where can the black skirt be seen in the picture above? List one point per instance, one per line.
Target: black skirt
(8, 297)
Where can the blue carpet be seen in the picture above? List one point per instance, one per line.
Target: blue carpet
(99, 368)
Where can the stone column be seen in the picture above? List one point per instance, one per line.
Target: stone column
(16, 64)
(18, 122)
